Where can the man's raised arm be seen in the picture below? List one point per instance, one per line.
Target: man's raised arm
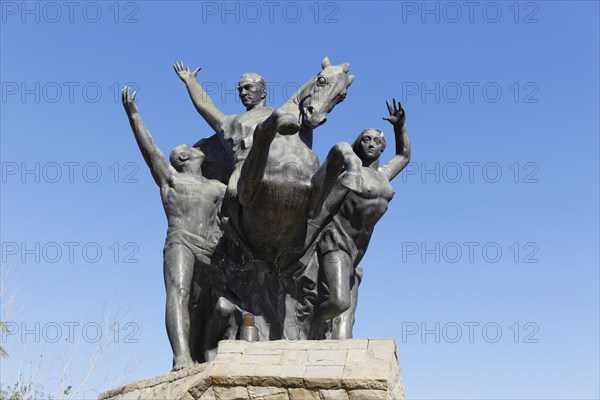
(159, 167)
(400, 160)
(203, 103)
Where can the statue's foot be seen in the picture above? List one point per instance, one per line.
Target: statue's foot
(352, 181)
(182, 362)
(210, 355)
(287, 124)
(317, 330)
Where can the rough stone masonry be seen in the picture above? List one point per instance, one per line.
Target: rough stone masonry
(354, 369)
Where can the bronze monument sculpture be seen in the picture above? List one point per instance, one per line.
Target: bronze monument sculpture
(263, 241)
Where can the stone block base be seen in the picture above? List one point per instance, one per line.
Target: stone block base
(355, 369)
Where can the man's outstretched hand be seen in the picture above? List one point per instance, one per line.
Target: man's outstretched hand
(397, 115)
(128, 101)
(184, 73)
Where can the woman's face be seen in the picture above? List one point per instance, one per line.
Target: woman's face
(370, 145)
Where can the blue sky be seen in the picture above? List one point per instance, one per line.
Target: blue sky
(485, 267)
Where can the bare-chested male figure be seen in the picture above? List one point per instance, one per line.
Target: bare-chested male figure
(234, 131)
(191, 203)
(345, 239)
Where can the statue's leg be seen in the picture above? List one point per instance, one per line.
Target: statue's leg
(200, 307)
(178, 270)
(341, 157)
(255, 164)
(232, 184)
(336, 271)
(239, 158)
(220, 326)
(342, 324)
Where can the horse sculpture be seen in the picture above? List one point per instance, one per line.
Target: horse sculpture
(281, 186)
(281, 182)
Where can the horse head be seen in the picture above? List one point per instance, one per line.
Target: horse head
(321, 94)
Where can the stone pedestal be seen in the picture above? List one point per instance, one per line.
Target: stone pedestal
(355, 369)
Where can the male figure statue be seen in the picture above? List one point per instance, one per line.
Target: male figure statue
(234, 131)
(191, 203)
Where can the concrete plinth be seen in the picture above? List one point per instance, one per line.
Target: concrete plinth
(355, 369)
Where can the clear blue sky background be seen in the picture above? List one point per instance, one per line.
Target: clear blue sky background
(516, 159)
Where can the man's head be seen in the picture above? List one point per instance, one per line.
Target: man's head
(252, 90)
(184, 156)
(369, 144)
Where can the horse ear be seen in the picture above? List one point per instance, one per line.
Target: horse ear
(350, 79)
(346, 67)
(325, 63)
